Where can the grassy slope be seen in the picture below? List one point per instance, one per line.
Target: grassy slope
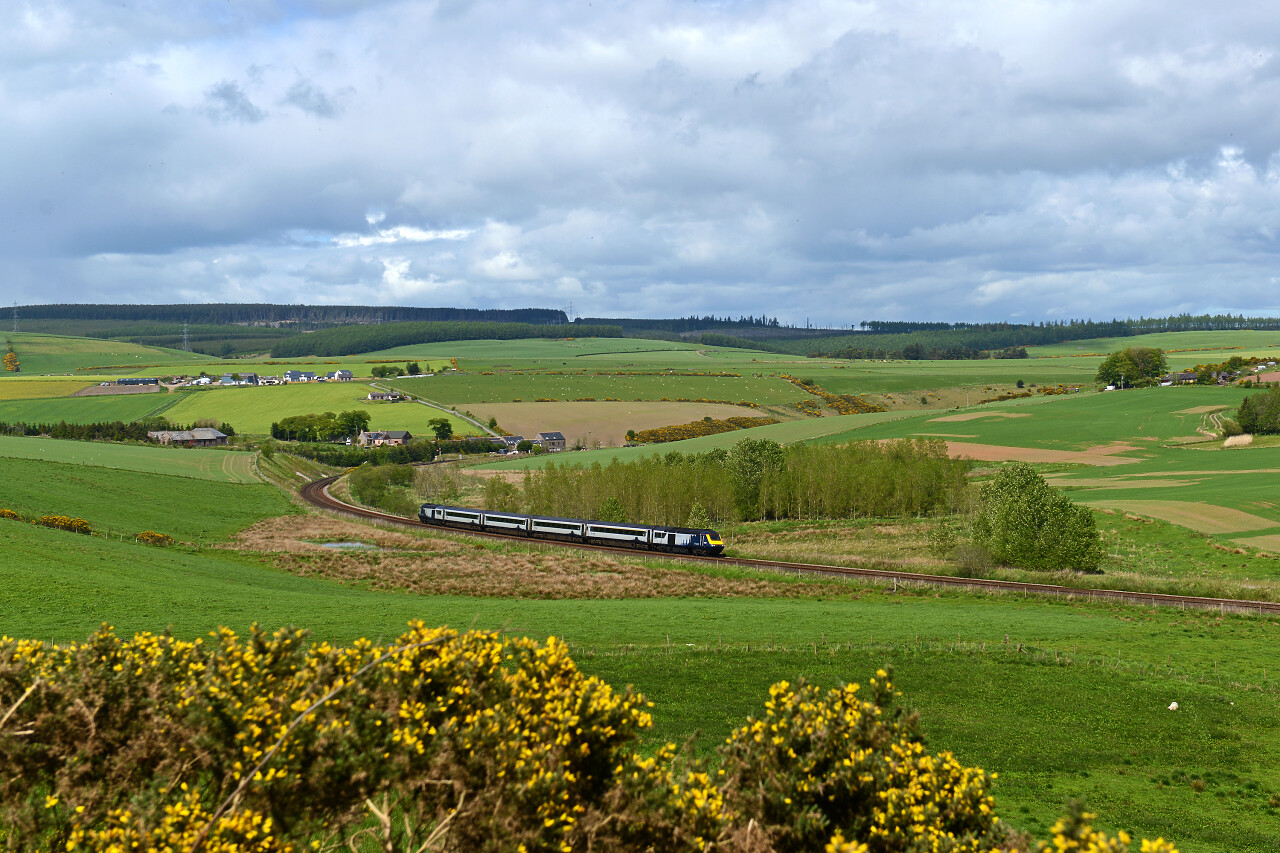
(33, 387)
(218, 465)
(129, 502)
(60, 354)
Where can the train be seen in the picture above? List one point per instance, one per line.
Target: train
(643, 537)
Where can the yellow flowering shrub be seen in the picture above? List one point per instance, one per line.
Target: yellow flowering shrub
(266, 742)
(10, 514)
(64, 522)
(150, 537)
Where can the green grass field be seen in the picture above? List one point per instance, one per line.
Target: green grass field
(128, 502)
(61, 354)
(86, 410)
(252, 410)
(1096, 727)
(33, 387)
(201, 463)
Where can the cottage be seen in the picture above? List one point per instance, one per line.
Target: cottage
(384, 438)
(299, 376)
(341, 376)
(384, 396)
(552, 441)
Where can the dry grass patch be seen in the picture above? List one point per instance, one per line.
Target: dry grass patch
(600, 421)
(969, 416)
(560, 574)
(301, 533)
(1200, 410)
(878, 545)
(999, 453)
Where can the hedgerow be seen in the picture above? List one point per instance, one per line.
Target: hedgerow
(64, 522)
(266, 743)
(844, 404)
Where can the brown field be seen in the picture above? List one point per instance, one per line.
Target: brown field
(1200, 410)
(433, 565)
(1201, 517)
(1118, 482)
(969, 416)
(114, 390)
(998, 453)
(943, 435)
(606, 423)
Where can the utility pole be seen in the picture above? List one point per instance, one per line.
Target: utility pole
(186, 337)
(15, 318)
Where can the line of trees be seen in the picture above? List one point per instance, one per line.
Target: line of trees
(222, 313)
(103, 431)
(342, 456)
(352, 340)
(754, 479)
(322, 427)
(1133, 367)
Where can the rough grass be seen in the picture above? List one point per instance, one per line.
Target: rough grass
(61, 354)
(601, 422)
(25, 388)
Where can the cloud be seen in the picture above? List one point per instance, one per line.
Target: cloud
(226, 101)
(831, 162)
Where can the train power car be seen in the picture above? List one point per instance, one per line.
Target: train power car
(644, 537)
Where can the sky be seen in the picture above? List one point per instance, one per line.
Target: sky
(819, 162)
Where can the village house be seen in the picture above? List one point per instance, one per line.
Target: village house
(341, 376)
(299, 376)
(384, 438)
(198, 437)
(384, 396)
(551, 441)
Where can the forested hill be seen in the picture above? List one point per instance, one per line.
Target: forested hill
(302, 316)
(352, 340)
(902, 339)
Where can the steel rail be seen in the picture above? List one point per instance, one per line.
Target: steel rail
(317, 494)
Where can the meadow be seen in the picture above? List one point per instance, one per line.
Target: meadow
(198, 462)
(86, 410)
(1061, 697)
(253, 409)
(34, 387)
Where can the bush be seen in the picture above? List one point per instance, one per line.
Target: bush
(150, 537)
(1230, 428)
(64, 522)
(10, 514)
(496, 743)
(1022, 521)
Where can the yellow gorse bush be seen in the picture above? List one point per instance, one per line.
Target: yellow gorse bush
(678, 432)
(64, 522)
(268, 743)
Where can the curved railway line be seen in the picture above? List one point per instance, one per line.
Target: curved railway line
(317, 494)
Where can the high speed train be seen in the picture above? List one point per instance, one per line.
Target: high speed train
(644, 537)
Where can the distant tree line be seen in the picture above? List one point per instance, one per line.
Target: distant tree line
(691, 323)
(321, 427)
(103, 431)
(343, 456)
(305, 315)
(351, 340)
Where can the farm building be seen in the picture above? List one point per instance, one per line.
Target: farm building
(299, 376)
(384, 438)
(198, 437)
(138, 380)
(384, 396)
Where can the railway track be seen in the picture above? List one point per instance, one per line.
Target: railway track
(317, 494)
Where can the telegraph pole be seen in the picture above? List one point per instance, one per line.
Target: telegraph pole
(15, 318)
(186, 337)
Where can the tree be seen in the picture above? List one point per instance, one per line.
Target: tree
(493, 423)
(524, 446)
(698, 518)
(413, 369)
(268, 449)
(747, 462)
(353, 422)
(1023, 521)
(442, 428)
(1259, 414)
(612, 510)
(1132, 366)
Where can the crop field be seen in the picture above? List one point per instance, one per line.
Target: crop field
(128, 502)
(469, 389)
(1182, 348)
(33, 387)
(254, 409)
(606, 423)
(198, 462)
(86, 410)
(59, 354)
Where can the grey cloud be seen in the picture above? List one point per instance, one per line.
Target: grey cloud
(226, 101)
(310, 98)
